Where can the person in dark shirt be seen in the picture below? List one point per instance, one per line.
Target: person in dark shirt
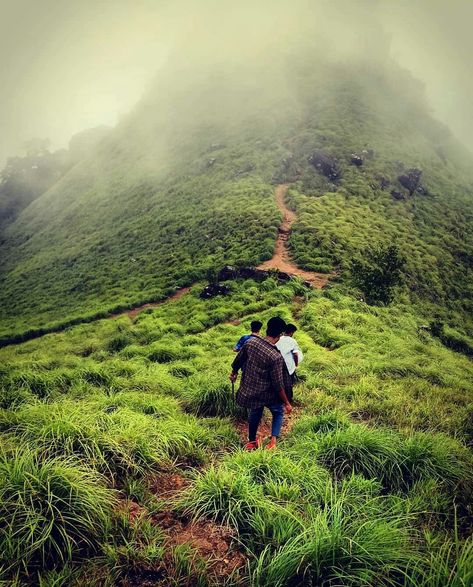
(256, 326)
(265, 382)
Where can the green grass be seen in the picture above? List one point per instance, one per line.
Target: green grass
(147, 213)
(53, 510)
(372, 485)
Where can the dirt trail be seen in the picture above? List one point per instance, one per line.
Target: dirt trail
(135, 311)
(264, 429)
(281, 259)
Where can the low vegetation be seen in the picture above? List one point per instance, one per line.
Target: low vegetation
(372, 485)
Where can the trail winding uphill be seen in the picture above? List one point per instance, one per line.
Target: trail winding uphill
(281, 259)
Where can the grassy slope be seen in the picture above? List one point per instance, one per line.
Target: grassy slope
(385, 412)
(152, 211)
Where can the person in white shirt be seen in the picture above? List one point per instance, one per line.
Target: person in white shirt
(290, 350)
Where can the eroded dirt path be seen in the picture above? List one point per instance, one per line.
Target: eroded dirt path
(135, 311)
(264, 429)
(281, 259)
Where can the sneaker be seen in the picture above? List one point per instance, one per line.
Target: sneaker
(252, 445)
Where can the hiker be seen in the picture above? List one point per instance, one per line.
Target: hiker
(290, 351)
(265, 382)
(255, 326)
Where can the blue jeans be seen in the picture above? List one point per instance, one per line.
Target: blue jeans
(255, 415)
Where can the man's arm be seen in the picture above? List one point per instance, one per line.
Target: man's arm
(238, 363)
(285, 401)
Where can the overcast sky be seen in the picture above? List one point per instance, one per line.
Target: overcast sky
(68, 65)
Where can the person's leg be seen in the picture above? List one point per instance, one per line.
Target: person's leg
(254, 418)
(277, 411)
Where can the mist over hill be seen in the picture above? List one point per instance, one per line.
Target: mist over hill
(285, 140)
(184, 184)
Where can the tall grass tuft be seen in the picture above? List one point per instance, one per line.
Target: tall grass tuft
(51, 510)
(211, 396)
(339, 546)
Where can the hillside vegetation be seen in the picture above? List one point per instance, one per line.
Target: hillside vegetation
(157, 204)
(120, 452)
(123, 431)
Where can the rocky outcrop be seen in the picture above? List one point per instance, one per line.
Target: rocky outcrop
(410, 180)
(229, 273)
(325, 164)
(397, 195)
(356, 159)
(214, 289)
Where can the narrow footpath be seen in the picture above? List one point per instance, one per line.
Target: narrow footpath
(281, 258)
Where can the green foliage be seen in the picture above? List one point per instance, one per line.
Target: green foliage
(52, 510)
(379, 273)
(374, 459)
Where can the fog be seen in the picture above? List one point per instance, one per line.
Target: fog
(69, 66)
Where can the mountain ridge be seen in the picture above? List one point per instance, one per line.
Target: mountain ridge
(156, 207)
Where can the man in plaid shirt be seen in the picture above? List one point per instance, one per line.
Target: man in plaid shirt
(265, 382)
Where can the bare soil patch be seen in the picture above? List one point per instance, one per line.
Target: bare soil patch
(214, 543)
(135, 311)
(264, 430)
(281, 259)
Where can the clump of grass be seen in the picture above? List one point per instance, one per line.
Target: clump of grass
(116, 439)
(395, 460)
(206, 395)
(339, 546)
(435, 456)
(278, 473)
(325, 422)
(181, 370)
(51, 510)
(160, 353)
(222, 496)
(134, 543)
(446, 563)
(151, 404)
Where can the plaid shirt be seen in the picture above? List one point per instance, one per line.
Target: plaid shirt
(264, 374)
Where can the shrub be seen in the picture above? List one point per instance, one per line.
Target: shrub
(379, 273)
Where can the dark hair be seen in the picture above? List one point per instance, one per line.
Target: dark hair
(290, 328)
(256, 326)
(275, 326)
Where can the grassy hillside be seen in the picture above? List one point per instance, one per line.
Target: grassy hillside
(116, 435)
(185, 184)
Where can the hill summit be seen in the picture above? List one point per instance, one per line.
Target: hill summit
(185, 185)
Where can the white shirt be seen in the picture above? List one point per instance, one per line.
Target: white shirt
(287, 347)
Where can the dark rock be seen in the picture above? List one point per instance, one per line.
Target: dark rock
(356, 159)
(397, 195)
(422, 190)
(410, 180)
(229, 272)
(326, 164)
(383, 181)
(214, 289)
